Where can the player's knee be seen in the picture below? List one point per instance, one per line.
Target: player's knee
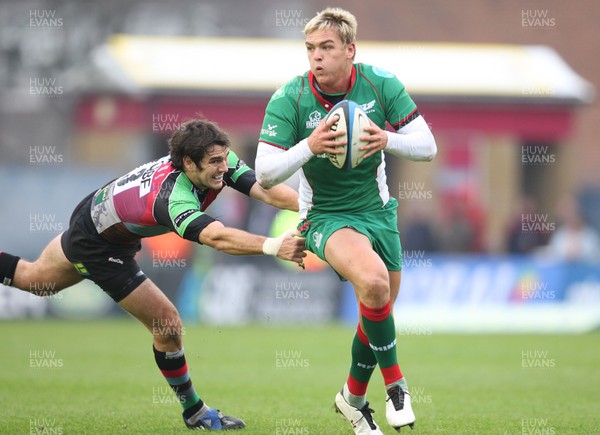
(375, 291)
(167, 327)
(44, 288)
(30, 278)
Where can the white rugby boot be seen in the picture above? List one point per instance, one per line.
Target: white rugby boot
(398, 409)
(361, 419)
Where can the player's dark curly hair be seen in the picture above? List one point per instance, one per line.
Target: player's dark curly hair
(195, 138)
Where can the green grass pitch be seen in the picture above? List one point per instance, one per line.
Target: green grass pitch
(100, 377)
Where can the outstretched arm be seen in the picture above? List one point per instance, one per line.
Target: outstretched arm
(280, 196)
(238, 242)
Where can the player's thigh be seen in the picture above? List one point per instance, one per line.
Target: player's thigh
(352, 256)
(149, 305)
(52, 269)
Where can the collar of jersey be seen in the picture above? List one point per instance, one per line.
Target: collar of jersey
(326, 104)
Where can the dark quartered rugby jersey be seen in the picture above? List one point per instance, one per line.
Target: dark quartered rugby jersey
(156, 198)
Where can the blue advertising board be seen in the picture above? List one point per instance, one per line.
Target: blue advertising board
(472, 293)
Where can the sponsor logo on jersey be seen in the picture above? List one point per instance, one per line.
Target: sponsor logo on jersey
(313, 119)
(269, 131)
(140, 177)
(368, 107)
(146, 180)
(115, 260)
(101, 195)
(181, 217)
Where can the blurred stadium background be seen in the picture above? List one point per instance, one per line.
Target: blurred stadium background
(491, 229)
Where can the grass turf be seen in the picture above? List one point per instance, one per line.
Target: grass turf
(100, 377)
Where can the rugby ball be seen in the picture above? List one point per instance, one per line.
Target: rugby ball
(351, 120)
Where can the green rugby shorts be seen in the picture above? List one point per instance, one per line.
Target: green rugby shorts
(380, 226)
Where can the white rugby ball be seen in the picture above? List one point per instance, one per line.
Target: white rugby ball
(352, 121)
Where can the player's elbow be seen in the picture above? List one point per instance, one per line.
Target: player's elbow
(431, 151)
(265, 182)
(423, 154)
(212, 236)
(264, 179)
(428, 149)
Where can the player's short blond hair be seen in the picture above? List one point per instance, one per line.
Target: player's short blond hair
(342, 21)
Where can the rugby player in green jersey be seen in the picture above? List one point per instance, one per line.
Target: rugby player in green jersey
(168, 194)
(347, 216)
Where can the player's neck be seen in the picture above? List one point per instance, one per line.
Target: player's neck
(335, 89)
(339, 86)
(332, 94)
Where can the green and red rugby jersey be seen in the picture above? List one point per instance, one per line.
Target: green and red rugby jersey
(156, 198)
(297, 107)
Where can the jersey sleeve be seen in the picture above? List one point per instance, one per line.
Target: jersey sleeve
(178, 209)
(188, 222)
(280, 124)
(400, 109)
(240, 176)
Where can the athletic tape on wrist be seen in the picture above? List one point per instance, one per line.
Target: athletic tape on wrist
(272, 244)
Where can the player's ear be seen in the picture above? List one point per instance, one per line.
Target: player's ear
(188, 163)
(351, 51)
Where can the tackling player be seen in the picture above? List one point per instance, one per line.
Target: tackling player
(348, 217)
(169, 194)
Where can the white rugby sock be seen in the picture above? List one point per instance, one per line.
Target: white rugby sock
(356, 401)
